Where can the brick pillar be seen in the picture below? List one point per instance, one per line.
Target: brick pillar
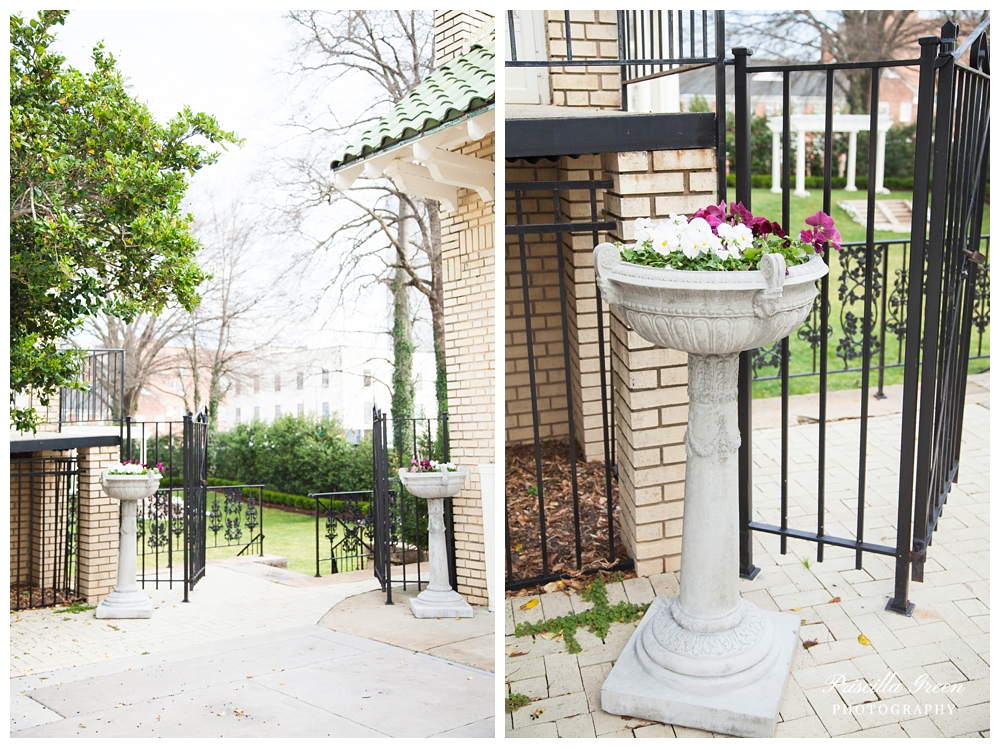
(581, 302)
(98, 529)
(650, 383)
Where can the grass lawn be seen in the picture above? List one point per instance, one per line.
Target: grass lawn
(802, 358)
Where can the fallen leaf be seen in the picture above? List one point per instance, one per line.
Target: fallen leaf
(796, 608)
(83, 726)
(469, 678)
(810, 643)
(554, 586)
(157, 717)
(576, 584)
(249, 677)
(834, 600)
(515, 653)
(238, 712)
(538, 712)
(281, 684)
(533, 602)
(864, 640)
(552, 636)
(221, 714)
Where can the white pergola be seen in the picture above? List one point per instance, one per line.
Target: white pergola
(849, 123)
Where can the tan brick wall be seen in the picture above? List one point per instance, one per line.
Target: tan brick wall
(455, 29)
(468, 249)
(594, 35)
(98, 531)
(651, 383)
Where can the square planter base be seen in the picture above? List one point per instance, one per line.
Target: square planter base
(452, 609)
(135, 604)
(750, 711)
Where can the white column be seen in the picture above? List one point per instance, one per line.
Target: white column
(439, 600)
(880, 164)
(852, 161)
(775, 161)
(800, 165)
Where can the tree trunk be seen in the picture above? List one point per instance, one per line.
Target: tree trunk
(436, 300)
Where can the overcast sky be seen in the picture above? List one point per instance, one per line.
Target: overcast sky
(231, 65)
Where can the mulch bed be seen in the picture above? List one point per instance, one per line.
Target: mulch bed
(557, 492)
(24, 599)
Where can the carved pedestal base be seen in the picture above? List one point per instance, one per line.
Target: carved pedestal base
(744, 703)
(439, 600)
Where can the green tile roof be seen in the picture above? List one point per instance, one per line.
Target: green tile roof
(458, 87)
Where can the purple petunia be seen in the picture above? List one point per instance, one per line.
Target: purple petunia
(822, 231)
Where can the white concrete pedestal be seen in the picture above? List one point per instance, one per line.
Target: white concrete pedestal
(439, 600)
(126, 600)
(749, 711)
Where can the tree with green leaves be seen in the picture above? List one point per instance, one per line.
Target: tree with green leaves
(96, 225)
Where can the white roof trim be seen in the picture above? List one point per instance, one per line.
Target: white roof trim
(427, 168)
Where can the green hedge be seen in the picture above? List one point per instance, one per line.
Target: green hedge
(292, 455)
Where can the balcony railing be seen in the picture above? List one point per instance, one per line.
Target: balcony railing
(101, 401)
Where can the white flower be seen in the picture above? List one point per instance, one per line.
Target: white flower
(642, 232)
(697, 238)
(736, 238)
(123, 469)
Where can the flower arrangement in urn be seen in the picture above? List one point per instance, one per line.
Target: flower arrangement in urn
(131, 480)
(717, 238)
(432, 466)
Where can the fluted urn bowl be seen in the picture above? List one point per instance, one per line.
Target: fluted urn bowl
(434, 485)
(130, 487)
(709, 312)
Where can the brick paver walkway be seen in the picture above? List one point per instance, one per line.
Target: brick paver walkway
(838, 687)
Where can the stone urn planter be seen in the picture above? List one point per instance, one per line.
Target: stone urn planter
(127, 600)
(708, 658)
(439, 600)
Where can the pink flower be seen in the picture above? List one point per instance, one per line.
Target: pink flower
(713, 215)
(738, 211)
(823, 231)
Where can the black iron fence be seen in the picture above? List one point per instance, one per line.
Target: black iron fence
(886, 324)
(235, 519)
(531, 536)
(399, 519)
(44, 527)
(345, 530)
(943, 260)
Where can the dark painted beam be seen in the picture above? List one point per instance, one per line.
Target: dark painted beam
(44, 442)
(612, 133)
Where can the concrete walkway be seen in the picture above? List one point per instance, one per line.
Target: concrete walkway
(839, 686)
(255, 653)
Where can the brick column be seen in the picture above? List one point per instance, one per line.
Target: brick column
(98, 530)
(650, 383)
(581, 303)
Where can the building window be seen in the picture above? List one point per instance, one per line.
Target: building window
(326, 378)
(277, 411)
(256, 383)
(367, 414)
(299, 410)
(277, 383)
(299, 380)
(326, 409)
(368, 377)
(237, 415)
(256, 411)
(905, 111)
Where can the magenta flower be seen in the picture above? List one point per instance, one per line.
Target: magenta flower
(713, 215)
(823, 231)
(738, 211)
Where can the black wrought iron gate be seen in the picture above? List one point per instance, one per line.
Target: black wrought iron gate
(951, 170)
(171, 529)
(400, 535)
